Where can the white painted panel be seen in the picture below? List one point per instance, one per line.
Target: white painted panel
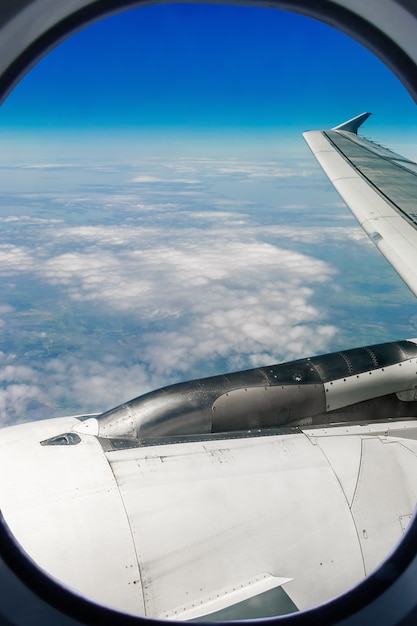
(335, 166)
(396, 428)
(344, 456)
(225, 597)
(207, 515)
(404, 521)
(318, 142)
(386, 491)
(379, 382)
(364, 202)
(63, 505)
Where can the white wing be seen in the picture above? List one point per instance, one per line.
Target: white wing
(379, 187)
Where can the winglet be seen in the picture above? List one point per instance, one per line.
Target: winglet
(352, 125)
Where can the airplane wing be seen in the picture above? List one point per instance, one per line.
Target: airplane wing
(379, 187)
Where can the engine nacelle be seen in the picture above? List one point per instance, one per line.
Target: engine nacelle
(337, 387)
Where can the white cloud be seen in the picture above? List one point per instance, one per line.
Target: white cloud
(154, 179)
(14, 400)
(266, 171)
(14, 259)
(219, 299)
(48, 166)
(239, 302)
(197, 286)
(96, 383)
(316, 234)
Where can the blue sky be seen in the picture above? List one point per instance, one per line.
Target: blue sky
(201, 73)
(162, 218)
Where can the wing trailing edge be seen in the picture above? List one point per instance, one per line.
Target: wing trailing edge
(378, 186)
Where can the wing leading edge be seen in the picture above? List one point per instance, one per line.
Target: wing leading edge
(378, 186)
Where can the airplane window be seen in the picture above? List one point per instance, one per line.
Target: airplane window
(164, 222)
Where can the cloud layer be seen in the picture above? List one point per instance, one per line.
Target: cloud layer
(128, 283)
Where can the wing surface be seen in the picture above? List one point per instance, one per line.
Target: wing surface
(378, 186)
